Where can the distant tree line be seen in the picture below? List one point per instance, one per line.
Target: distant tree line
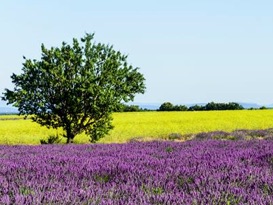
(167, 106)
(219, 106)
(130, 108)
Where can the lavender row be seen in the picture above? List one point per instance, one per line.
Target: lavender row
(193, 172)
(240, 134)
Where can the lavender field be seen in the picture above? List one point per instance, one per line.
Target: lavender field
(193, 172)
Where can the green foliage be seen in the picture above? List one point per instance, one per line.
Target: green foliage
(169, 149)
(166, 106)
(75, 87)
(196, 108)
(128, 108)
(174, 136)
(217, 106)
(180, 108)
(158, 190)
(26, 191)
(152, 190)
(103, 178)
(132, 108)
(223, 106)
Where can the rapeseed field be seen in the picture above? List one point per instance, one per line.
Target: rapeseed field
(143, 125)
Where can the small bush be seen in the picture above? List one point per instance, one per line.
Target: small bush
(202, 136)
(169, 149)
(136, 139)
(175, 136)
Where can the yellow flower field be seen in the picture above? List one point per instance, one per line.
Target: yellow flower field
(145, 125)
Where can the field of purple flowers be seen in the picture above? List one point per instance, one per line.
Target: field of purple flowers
(192, 172)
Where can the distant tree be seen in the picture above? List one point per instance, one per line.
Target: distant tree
(128, 108)
(166, 106)
(217, 106)
(211, 106)
(180, 108)
(196, 108)
(132, 108)
(75, 87)
(234, 106)
(223, 106)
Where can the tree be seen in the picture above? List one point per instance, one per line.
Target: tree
(75, 87)
(234, 106)
(166, 106)
(211, 106)
(196, 108)
(131, 108)
(223, 106)
(128, 108)
(180, 108)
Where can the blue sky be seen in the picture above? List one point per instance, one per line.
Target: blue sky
(189, 51)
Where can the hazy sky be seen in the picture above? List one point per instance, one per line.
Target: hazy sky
(189, 51)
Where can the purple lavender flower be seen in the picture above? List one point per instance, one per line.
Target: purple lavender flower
(193, 172)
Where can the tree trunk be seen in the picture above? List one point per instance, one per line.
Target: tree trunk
(70, 136)
(69, 140)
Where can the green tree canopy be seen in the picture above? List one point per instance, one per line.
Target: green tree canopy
(75, 87)
(166, 106)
